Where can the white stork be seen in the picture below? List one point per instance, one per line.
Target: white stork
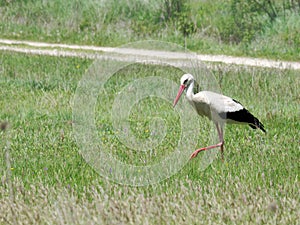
(218, 108)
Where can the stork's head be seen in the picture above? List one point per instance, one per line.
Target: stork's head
(185, 81)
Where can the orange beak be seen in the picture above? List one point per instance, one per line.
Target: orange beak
(181, 89)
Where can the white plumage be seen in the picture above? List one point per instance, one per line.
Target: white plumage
(218, 108)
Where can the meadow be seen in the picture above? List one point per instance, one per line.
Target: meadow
(45, 179)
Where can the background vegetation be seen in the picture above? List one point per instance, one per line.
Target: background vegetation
(266, 28)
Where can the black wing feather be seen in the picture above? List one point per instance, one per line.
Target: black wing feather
(243, 116)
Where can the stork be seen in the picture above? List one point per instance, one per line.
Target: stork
(218, 108)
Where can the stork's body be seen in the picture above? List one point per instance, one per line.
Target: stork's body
(218, 108)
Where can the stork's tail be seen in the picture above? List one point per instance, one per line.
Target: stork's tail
(257, 124)
(243, 116)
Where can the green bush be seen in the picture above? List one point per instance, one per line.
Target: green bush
(230, 27)
(281, 38)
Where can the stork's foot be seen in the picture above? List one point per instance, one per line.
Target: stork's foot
(195, 153)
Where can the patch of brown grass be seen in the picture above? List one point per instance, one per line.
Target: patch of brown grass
(186, 204)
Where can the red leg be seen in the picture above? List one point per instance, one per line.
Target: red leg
(195, 153)
(220, 132)
(220, 144)
(222, 151)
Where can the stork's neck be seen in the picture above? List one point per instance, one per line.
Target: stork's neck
(189, 91)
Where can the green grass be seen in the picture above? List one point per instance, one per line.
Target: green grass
(46, 180)
(213, 26)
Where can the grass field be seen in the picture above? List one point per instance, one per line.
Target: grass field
(45, 180)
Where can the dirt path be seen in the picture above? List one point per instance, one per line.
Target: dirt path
(127, 54)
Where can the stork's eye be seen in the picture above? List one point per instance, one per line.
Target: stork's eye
(185, 81)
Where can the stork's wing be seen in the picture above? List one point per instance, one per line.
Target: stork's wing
(222, 104)
(232, 111)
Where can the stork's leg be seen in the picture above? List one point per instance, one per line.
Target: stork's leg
(220, 144)
(221, 139)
